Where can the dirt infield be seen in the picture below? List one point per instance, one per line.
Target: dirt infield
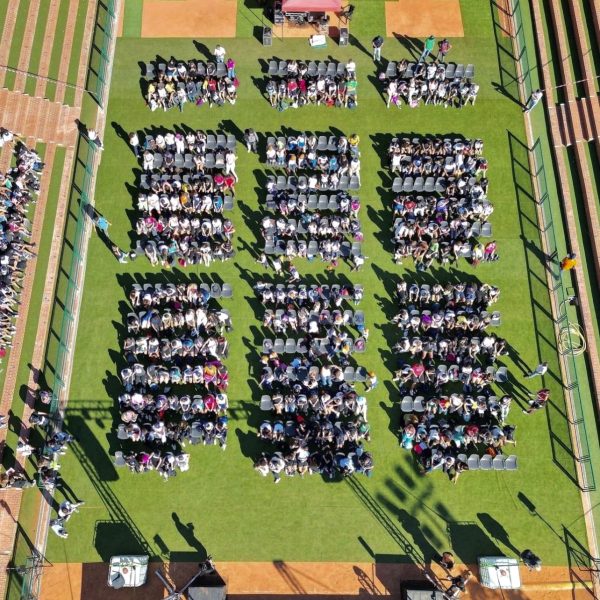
(421, 18)
(189, 18)
(317, 581)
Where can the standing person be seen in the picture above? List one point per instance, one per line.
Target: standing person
(231, 68)
(447, 561)
(92, 135)
(121, 256)
(535, 97)
(359, 261)
(371, 382)
(531, 560)
(538, 371)
(568, 262)
(539, 401)
(102, 224)
(443, 48)
(251, 140)
(219, 53)
(459, 584)
(230, 159)
(428, 48)
(377, 45)
(134, 142)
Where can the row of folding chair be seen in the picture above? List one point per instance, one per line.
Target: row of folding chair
(280, 247)
(291, 183)
(420, 139)
(494, 316)
(500, 462)
(298, 225)
(356, 318)
(219, 69)
(452, 70)
(425, 184)
(417, 404)
(220, 140)
(324, 143)
(478, 229)
(320, 202)
(293, 346)
(216, 290)
(228, 201)
(325, 290)
(328, 67)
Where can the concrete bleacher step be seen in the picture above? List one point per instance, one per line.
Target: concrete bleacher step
(587, 128)
(563, 125)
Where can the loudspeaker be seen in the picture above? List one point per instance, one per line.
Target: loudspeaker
(344, 37)
(267, 36)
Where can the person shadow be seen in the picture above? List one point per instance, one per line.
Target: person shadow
(186, 530)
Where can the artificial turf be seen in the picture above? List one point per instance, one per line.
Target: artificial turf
(397, 514)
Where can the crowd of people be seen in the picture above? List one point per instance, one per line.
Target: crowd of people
(433, 83)
(445, 346)
(293, 84)
(177, 83)
(181, 202)
(176, 339)
(320, 420)
(19, 187)
(445, 223)
(314, 163)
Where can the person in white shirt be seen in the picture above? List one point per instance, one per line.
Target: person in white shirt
(230, 160)
(219, 53)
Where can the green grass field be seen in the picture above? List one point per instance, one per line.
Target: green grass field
(397, 514)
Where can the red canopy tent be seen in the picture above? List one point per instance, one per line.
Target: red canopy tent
(311, 6)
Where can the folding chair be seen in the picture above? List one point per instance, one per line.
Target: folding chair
(397, 185)
(498, 462)
(267, 346)
(501, 375)
(266, 403)
(496, 319)
(485, 462)
(418, 404)
(511, 463)
(406, 404)
(473, 462)
(119, 460)
(486, 230)
(226, 291)
(215, 291)
(231, 142)
(391, 70)
(354, 182)
(290, 346)
(273, 69)
(322, 143)
(349, 374)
